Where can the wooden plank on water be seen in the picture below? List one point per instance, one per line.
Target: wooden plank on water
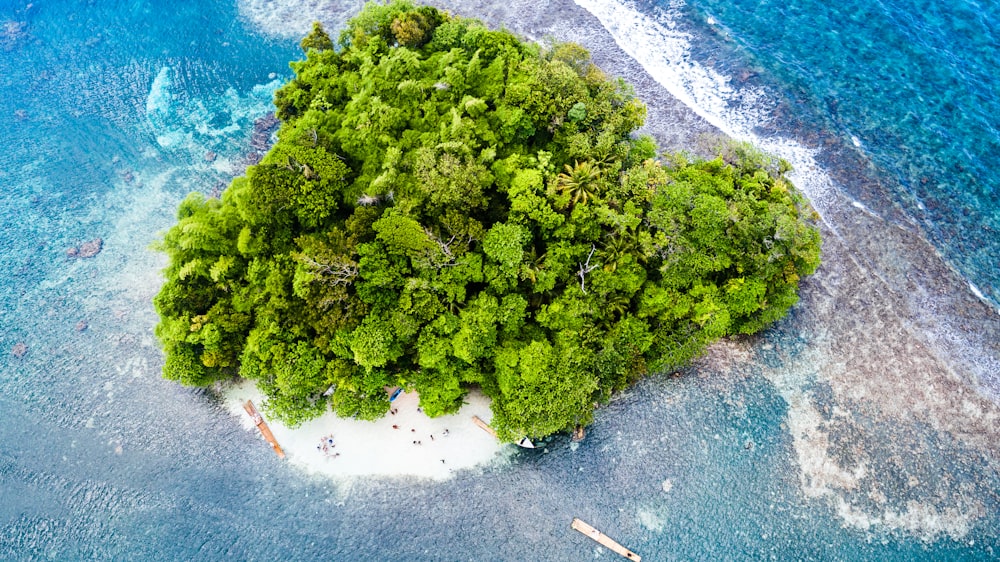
(604, 540)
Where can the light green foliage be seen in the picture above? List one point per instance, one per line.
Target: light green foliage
(449, 207)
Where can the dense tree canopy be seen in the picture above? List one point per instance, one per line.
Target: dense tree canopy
(448, 207)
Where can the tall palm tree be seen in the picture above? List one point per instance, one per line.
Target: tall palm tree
(616, 248)
(534, 265)
(579, 180)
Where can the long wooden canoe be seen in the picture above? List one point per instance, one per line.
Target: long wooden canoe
(484, 426)
(524, 442)
(258, 420)
(605, 540)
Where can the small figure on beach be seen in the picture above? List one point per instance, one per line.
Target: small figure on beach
(446, 432)
(394, 426)
(326, 445)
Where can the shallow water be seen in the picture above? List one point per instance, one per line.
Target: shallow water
(913, 85)
(852, 430)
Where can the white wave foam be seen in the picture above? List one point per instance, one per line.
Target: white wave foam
(159, 98)
(293, 18)
(664, 51)
(203, 125)
(657, 42)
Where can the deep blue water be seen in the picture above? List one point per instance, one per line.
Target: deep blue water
(108, 112)
(915, 82)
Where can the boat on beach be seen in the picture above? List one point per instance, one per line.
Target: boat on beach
(265, 431)
(524, 442)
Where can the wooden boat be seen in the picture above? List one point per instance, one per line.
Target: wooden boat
(265, 431)
(484, 426)
(604, 540)
(524, 442)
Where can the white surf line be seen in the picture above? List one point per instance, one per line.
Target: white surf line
(294, 18)
(665, 54)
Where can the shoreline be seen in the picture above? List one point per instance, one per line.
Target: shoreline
(406, 443)
(891, 337)
(888, 336)
(875, 244)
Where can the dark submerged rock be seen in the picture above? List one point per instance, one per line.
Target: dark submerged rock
(90, 249)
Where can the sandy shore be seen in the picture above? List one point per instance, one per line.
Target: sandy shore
(406, 443)
(893, 350)
(894, 377)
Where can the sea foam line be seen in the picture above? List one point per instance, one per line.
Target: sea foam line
(659, 45)
(294, 18)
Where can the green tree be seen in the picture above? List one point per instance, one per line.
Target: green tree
(448, 207)
(317, 39)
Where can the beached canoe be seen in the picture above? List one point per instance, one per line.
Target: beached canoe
(524, 442)
(265, 431)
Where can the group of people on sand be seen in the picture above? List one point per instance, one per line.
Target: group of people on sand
(326, 445)
(417, 441)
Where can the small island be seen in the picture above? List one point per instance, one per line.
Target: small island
(450, 208)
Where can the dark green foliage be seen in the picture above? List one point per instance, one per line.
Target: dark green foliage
(446, 207)
(317, 39)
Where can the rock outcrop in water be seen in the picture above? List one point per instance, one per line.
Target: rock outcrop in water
(87, 249)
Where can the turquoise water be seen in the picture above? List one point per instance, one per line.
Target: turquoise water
(112, 111)
(914, 84)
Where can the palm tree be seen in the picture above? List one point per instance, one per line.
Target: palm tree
(616, 248)
(534, 265)
(579, 181)
(616, 306)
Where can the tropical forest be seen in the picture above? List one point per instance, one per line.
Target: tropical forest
(449, 207)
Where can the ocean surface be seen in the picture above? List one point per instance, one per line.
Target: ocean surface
(111, 112)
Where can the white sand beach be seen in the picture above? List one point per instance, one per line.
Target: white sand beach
(406, 443)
